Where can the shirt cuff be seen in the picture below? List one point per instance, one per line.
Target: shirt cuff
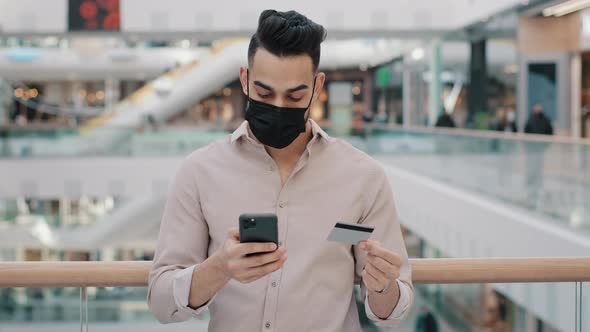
(181, 286)
(400, 309)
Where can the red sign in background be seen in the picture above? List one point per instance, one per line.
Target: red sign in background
(91, 15)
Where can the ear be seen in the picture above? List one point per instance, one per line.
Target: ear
(320, 79)
(244, 79)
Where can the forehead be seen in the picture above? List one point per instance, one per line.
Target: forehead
(281, 72)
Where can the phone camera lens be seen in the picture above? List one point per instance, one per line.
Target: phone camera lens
(251, 223)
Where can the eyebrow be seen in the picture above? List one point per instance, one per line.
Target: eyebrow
(291, 90)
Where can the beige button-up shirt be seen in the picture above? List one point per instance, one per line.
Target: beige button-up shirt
(332, 182)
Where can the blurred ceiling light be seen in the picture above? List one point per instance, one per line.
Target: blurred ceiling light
(109, 203)
(363, 67)
(577, 219)
(227, 92)
(33, 93)
(418, 54)
(185, 43)
(100, 95)
(19, 93)
(83, 93)
(51, 41)
(565, 8)
(511, 69)
(356, 89)
(43, 233)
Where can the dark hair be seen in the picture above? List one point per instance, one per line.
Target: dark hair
(287, 34)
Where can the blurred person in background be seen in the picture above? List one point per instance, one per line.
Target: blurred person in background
(586, 121)
(445, 120)
(506, 121)
(538, 123)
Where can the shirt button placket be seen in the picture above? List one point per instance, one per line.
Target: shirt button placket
(272, 291)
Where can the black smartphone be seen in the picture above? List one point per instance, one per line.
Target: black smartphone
(261, 227)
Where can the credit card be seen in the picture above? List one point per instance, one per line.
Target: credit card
(350, 233)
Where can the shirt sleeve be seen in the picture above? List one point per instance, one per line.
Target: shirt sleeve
(183, 241)
(403, 304)
(382, 214)
(182, 288)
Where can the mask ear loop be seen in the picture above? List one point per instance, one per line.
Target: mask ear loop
(248, 86)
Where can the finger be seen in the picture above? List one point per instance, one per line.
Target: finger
(375, 273)
(255, 247)
(374, 248)
(263, 259)
(261, 271)
(382, 265)
(246, 278)
(249, 280)
(371, 246)
(362, 245)
(371, 283)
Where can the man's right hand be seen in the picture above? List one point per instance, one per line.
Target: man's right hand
(245, 269)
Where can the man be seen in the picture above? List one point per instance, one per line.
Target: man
(538, 123)
(506, 118)
(445, 120)
(280, 161)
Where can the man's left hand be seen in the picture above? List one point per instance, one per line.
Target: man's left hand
(382, 267)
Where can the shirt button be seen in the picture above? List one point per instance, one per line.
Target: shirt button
(282, 204)
(274, 284)
(267, 325)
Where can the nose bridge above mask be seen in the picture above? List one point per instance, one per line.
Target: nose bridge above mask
(283, 104)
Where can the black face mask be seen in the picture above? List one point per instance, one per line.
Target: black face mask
(274, 126)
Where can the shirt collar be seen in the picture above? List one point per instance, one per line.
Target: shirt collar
(243, 131)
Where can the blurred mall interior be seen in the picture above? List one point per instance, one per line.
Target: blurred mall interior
(100, 101)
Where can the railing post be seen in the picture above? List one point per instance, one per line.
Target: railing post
(579, 307)
(83, 310)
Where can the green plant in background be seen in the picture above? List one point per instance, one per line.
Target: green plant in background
(482, 120)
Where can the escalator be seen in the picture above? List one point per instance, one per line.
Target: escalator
(182, 88)
(175, 90)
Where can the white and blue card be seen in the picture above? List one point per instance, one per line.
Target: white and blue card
(350, 233)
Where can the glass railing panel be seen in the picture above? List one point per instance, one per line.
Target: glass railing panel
(549, 178)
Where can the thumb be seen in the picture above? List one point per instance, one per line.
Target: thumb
(233, 234)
